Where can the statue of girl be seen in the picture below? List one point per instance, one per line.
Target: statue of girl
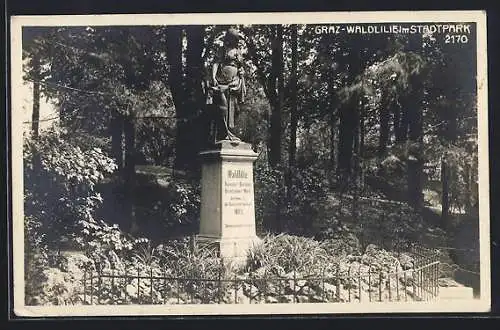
(227, 87)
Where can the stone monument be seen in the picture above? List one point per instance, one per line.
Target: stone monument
(227, 192)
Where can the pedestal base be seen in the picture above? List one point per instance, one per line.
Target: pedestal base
(232, 251)
(227, 216)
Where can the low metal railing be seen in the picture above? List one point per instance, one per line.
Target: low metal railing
(417, 280)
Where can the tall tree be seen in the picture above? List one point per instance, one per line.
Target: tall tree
(445, 201)
(348, 116)
(195, 35)
(414, 108)
(175, 77)
(35, 116)
(186, 87)
(116, 132)
(294, 116)
(384, 124)
(276, 83)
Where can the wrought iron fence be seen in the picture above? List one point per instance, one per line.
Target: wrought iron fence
(417, 280)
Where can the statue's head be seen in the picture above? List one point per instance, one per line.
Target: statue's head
(232, 37)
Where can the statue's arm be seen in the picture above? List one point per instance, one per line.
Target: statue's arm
(215, 67)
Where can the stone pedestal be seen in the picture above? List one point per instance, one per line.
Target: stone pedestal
(227, 199)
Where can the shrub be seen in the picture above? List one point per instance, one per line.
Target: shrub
(170, 209)
(105, 243)
(282, 254)
(61, 174)
(183, 204)
(35, 259)
(298, 207)
(176, 259)
(60, 178)
(49, 279)
(268, 195)
(155, 140)
(389, 225)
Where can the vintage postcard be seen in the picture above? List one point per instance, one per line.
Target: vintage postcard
(249, 163)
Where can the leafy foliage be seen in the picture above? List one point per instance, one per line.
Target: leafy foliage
(281, 254)
(299, 207)
(60, 182)
(184, 204)
(35, 259)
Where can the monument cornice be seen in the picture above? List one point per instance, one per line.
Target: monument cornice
(239, 153)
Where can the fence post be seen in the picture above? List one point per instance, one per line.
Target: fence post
(420, 283)
(164, 284)
(421, 278)
(359, 282)
(125, 279)
(99, 281)
(113, 284)
(177, 280)
(429, 275)
(413, 280)
(84, 286)
(294, 287)
(405, 288)
(338, 282)
(389, 285)
(91, 286)
(138, 286)
(151, 282)
(350, 282)
(437, 279)
(235, 289)
(322, 284)
(191, 282)
(370, 283)
(281, 290)
(426, 278)
(380, 285)
(265, 284)
(219, 284)
(397, 283)
(250, 276)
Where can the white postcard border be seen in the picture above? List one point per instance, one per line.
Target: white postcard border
(17, 22)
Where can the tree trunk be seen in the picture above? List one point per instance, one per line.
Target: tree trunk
(445, 201)
(361, 149)
(401, 122)
(116, 129)
(356, 172)
(35, 116)
(347, 126)
(276, 83)
(468, 188)
(197, 134)
(187, 94)
(292, 148)
(396, 121)
(359, 140)
(333, 141)
(129, 132)
(415, 150)
(129, 171)
(332, 104)
(384, 125)
(349, 116)
(176, 83)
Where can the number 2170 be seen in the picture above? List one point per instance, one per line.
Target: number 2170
(456, 39)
